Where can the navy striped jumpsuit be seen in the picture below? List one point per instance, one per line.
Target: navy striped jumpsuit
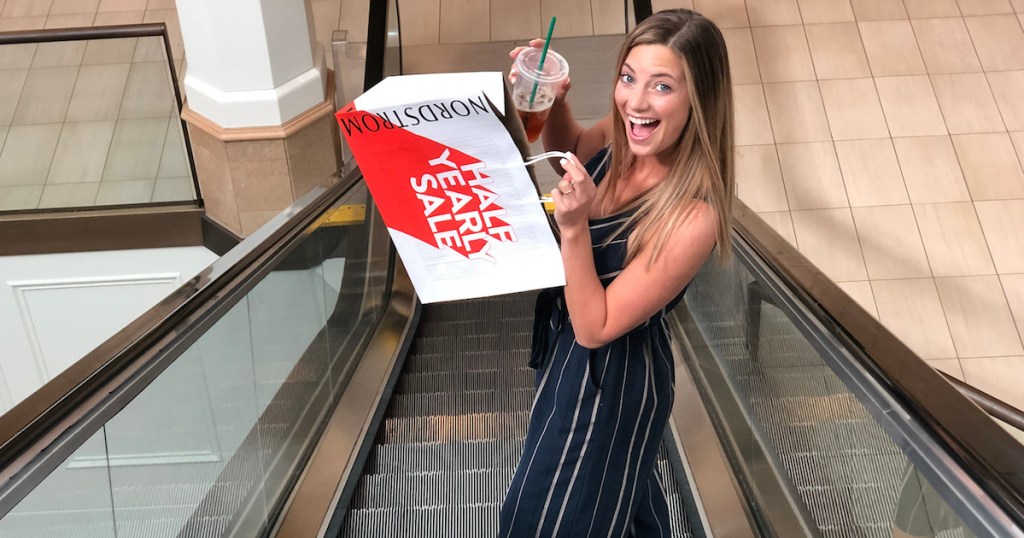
(597, 420)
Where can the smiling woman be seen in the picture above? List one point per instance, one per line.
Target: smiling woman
(636, 223)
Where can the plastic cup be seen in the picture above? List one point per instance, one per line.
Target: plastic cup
(547, 80)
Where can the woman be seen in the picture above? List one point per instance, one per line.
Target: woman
(636, 224)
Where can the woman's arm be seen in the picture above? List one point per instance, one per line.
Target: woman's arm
(600, 315)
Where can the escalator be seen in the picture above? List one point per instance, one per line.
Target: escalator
(297, 388)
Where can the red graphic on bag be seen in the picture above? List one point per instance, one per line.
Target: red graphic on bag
(425, 189)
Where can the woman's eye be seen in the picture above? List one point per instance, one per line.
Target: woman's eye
(662, 87)
(626, 77)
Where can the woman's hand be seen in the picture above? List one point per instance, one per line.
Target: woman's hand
(536, 43)
(573, 195)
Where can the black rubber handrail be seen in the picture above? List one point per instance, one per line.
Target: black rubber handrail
(993, 456)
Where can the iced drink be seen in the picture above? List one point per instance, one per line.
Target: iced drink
(533, 104)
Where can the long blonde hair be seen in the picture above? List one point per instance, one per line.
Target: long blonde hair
(703, 167)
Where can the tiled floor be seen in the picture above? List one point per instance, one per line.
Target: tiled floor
(884, 138)
(86, 123)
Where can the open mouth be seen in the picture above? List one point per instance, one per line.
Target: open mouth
(640, 128)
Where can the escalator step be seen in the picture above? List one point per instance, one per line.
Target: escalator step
(436, 457)
(441, 428)
(433, 489)
(455, 382)
(471, 342)
(474, 326)
(509, 359)
(460, 403)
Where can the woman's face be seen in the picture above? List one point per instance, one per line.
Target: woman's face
(653, 100)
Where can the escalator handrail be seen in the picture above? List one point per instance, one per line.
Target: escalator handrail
(29, 431)
(995, 407)
(982, 446)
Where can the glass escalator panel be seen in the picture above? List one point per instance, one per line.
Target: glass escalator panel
(211, 444)
(811, 435)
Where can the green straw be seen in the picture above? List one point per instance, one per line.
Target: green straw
(543, 56)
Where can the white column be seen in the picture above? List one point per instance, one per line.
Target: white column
(250, 63)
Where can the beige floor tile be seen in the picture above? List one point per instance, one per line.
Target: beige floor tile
(661, 5)
(860, 292)
(990, 167)
(999, 40)
(1003, 222)
(871, 172)
(125, 192)
(796, 112)
(519, 20)
(81, 152)
(759, 178)
(891, 48)
(920, 9)
(948, 366)
(1018, 143)
(111, 18)
(173, 189)
(17, 56)
(953, 239)
(931, 170)
(3, 134)
(22, 23)
(77, 20)
(890, 242)
(19, 198)
(608, 18)
(984, 7)
(782, 223)
(819, 11)
(148, 92)
(878, 10)
(574, 17)
(12, 81)
(98, 92)
(1018, 6)
(25, 8)
(135, 149)
(812, 177)
(742, 58)
(998, 376)
(27, 153)
(46, 95)
(1008, 87)
(946, 45)
(853, 109)
(782, 53)
(725, 13)
(160, 4)
(774, 12)
(170, 18)
(910, 106)
(109, 51)
(752, 124)
(122, 5)
(65, 7)
(69, 195)
(829, 240)
(58, 54)
(912, 311)
(150, 49)
(172, 159)
(837, 51)
(967, 104)
(978, 316)
(1013, 286)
